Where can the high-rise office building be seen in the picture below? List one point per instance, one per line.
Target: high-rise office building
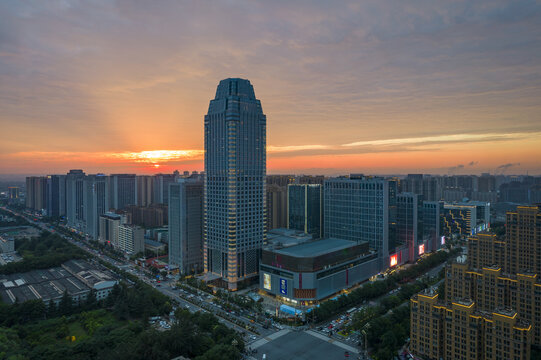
(305, 208)
(362, 208)
(409, 224)
(145, 190)
(74, 199)
(123, 190)
(56, 195)
(36, 193)
(276, 199)
(95, 202)
(186, 225)
(235, 166)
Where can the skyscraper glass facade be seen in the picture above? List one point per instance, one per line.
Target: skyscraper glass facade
(235, 167)
(361, 209)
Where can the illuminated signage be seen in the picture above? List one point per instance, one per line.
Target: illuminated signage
(421, 249)
(394, 260)
(283, 286)
(443, 240)
(267, 281)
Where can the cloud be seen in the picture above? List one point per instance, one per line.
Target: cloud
(445, 139)
(507, 166)
(293, 148)
(112, 76)
(453, 169)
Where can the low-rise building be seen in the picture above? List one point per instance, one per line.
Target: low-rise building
(311, 271)
(76, 277)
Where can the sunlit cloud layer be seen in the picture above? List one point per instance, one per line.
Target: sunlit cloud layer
(348, 86)
(447, 139)
(156, 156)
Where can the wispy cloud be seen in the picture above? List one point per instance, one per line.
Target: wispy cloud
(446, 139)
(292, 148)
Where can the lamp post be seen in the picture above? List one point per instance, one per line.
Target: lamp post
(363, 331)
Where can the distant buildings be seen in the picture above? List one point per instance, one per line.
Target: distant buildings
(56, 195)
(109, 224)
(95, 202)
(161, 187)
(305, 208)
(466, 218)
(186, 225)
(151, 216)
(74, 199)
(36, 193)
(131, 239)
(123, 190)
(235, 166)
(145, 190)
(276, 206)
(13, 193)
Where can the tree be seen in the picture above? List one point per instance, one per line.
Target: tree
(65, 307)
(91, 300)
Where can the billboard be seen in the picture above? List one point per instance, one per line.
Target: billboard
(421, 249)
(267, 281)
(283, 286)
(394, 260)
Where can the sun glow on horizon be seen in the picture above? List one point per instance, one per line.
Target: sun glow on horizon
(155, 156)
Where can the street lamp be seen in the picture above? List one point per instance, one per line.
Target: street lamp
(363, 331)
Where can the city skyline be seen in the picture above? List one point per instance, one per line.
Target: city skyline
(382, 88)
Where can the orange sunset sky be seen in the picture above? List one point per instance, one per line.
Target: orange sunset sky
(380, 87)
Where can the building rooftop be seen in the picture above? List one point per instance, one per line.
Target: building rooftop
(318, 247)
(281, 237)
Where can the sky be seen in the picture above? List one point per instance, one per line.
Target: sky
(375, 86)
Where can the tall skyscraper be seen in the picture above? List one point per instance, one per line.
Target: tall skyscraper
(74, 199)
(95, 202)
(123, 190)
(56, 195)
(235, 166)
(362, 208)
(186, 225)
(305, 208)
